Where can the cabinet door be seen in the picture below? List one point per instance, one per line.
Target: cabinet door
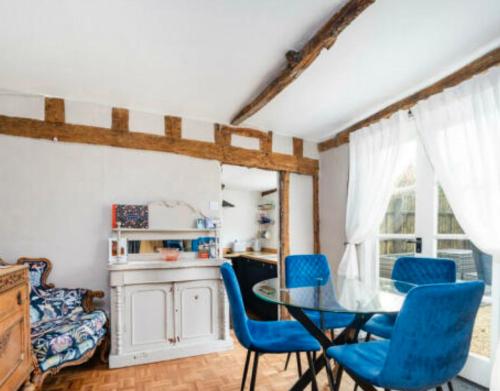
(197, 311)
(149, 316)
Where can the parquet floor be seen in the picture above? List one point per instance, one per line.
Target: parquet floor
(211, 372)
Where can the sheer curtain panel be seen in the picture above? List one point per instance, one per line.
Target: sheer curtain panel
(460, 130)
(375, 159)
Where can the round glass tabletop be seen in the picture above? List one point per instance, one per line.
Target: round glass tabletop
(338, 294)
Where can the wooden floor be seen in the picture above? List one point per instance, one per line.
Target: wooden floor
(212, 372)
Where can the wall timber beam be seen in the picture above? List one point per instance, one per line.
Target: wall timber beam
(119, 119)
(476, 67)
(173, 127)
(298, 147)
(299, 61)
(117, 137)
(54, 110)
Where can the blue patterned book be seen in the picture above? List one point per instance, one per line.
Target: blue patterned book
(130, 216)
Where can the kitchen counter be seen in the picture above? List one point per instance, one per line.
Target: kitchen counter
(266, 257)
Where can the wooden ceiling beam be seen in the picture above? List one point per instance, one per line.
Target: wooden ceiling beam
(299, 61)
(477, 66)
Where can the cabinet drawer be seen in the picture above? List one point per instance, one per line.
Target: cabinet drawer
(14, 360)
(12, 301)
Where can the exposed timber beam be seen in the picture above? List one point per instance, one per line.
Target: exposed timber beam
(477, 66)
(299, 61)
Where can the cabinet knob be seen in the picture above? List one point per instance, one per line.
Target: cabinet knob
(196, 297)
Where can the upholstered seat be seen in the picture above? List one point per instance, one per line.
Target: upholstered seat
(309, 270)
(280, 337)
(65, 329)
(418, 271)
(67, 339)
(371, 356)
(261, 337)
(429, 344)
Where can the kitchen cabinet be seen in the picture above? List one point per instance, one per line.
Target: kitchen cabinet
(250, 271)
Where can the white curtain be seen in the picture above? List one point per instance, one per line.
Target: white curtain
(460, 130)
(374, 162)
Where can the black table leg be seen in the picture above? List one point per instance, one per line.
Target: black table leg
(348, 335)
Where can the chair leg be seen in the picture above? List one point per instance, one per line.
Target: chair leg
(314, 383)
(287, 360)
(356, 385)
(439, 388)
(245, 370)
(368, 336)
(299, 363)
(254, 371)
(338, 378)
(450, 386)
(329, 373)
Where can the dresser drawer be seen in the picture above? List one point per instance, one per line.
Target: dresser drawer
(12, 301)
(14, 352)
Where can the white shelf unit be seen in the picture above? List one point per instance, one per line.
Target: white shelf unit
(162, 310)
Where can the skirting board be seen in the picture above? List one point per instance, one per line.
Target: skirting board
(137, 358)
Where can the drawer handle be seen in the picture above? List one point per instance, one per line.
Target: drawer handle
(19, 298)
(196, 297)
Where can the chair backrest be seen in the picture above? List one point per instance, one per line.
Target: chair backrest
(306, 270)
(431, 337)
(238, 313)
(39, 270)
(421, 271)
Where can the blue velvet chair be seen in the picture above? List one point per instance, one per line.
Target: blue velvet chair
(429, 344)
(418, 271)
(310, 270)
(259, 337)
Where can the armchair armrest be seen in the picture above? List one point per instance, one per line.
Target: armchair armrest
(88, 300)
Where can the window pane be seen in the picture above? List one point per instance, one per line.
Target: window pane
(390, 250)
(447, 223)
(400, 215)
(473, 264)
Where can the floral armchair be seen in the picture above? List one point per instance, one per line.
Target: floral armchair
(66, 329)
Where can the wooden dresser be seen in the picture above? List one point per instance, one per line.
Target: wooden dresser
(15, 341)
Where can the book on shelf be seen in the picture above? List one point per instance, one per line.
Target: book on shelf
(130, 216)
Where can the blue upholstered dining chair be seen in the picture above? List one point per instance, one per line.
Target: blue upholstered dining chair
(418, 271)
(309, 270)
(429, 344)
(259, 337)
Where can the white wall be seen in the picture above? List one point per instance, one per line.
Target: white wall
(56, 199)
(301, 214)
(333, 179)
(239, 222)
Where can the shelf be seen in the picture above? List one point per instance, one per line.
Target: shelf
(165, 230)
(165, 234)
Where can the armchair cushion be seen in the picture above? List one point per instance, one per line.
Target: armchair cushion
(51, 304)
(67, 339)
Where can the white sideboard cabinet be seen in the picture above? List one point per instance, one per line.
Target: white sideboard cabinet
(164, 310)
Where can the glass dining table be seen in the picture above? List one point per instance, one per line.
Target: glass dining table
(335, 294)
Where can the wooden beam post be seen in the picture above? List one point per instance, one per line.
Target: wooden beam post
(476, 67)
(119, 119)
(317, 245)
(299, 61)
(266, 144)
(284, 196)
(173, 127)
(54, 110)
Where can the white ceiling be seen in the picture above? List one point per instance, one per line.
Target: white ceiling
(250, 179)
(205, 59)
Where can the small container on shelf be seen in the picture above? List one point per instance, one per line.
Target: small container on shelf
(169, 254)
